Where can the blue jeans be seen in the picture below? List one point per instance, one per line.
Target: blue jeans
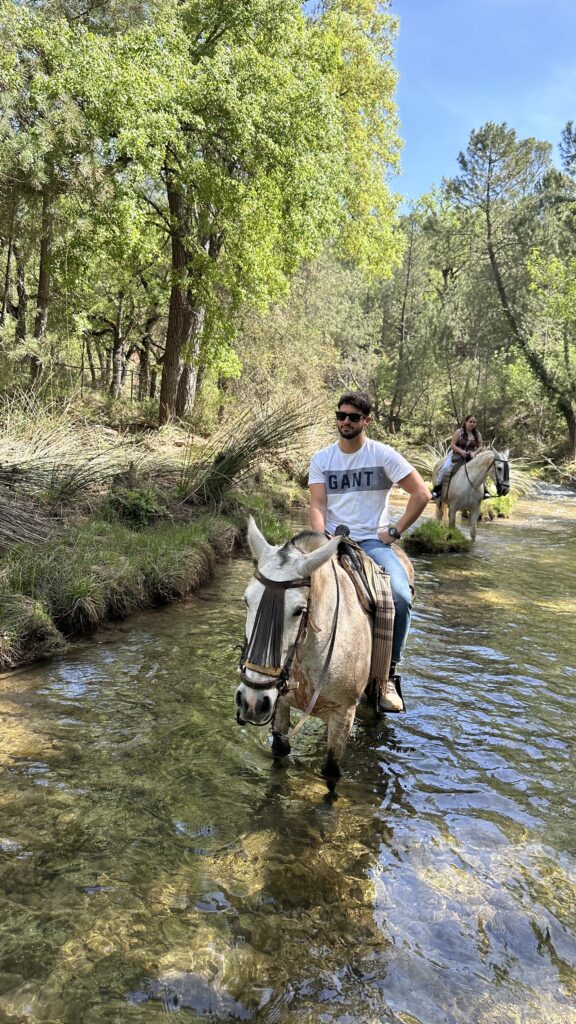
(383, 555)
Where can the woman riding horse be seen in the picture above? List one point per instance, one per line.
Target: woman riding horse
(465, 444)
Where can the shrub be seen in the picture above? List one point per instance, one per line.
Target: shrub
(137, 506)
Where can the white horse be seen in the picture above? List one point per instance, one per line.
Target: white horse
(308, 642)
(464, 489)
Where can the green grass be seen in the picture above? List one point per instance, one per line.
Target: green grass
(95, 524)
(99, 571)
(435, 538)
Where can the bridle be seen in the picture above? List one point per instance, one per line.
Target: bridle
(267, 610)
(279, 674)
(502, 486)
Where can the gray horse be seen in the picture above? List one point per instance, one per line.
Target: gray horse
(464, 488)
(308, 642)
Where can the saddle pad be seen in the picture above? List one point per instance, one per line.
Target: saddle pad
(372, 584)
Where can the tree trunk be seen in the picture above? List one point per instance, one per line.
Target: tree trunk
(179, 316)
(90, 357)
(7, 279)
(186, 390)
(22, 295)
(117, 350)
(144, 355)
(44, 274)
(189, 375)
(144, 368)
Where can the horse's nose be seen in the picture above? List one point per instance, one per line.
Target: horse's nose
(252, 707)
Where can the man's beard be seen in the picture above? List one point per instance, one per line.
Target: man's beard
(352, 431)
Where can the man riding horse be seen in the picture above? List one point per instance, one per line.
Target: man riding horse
(350, 483)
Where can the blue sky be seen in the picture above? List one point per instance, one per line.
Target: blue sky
(465, 62)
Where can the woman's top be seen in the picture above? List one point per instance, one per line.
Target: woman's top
(469, 444)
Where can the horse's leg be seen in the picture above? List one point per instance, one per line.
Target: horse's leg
(452, 515)
(280, 744)
(474, 513)
(339, 728)
(439, 511)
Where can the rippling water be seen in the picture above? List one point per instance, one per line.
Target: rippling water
(153, 859)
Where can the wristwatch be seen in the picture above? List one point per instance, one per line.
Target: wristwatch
(393, 532)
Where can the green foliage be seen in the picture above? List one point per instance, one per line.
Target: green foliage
(498, 508)
(247, 137)
(241, 505)
(137, 506)
(435, 538)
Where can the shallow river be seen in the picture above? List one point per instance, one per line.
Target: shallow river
(153, 859)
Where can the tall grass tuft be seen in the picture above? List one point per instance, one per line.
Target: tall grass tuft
(237, 449)
(56, 460)
(20, 520)
(27, 633)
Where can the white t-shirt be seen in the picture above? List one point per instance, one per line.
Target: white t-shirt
(358, 485)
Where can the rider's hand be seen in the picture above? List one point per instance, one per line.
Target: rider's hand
(385, 537)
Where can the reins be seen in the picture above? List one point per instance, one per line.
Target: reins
(480, 490)
(327, 660)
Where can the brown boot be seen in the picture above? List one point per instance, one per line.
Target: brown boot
(390, 700)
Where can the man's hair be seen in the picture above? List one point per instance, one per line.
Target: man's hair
(358, 398)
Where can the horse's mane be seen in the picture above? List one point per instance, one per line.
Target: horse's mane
(306, 541)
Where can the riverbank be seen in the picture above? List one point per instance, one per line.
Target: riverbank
(95, 570)
(96, 524)
(99, 571)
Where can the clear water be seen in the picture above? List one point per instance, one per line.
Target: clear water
(153, 859)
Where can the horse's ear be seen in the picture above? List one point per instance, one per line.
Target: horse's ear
(257, 542)
(317, 558)
(505, 454)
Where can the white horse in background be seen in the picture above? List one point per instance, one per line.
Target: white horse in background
(464, 488)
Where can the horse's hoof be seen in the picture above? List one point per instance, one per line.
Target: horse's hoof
(280, 745)
(331, 770)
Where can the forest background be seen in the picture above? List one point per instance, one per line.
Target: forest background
(195, 214)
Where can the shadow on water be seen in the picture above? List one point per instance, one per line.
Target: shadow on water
(154, 858)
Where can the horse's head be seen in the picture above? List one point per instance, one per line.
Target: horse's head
(276, 608)
(500, 472)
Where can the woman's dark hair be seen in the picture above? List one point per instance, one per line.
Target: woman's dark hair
(464, 428)
(359, 399)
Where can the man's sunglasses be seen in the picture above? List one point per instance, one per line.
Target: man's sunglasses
(354, 417)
